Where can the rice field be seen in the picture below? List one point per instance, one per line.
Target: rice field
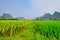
(29, 30)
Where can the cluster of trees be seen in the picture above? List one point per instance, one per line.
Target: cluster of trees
(8, 19)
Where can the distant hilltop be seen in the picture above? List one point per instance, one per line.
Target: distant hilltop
(6, 16)
(55, 15)
(9, 16)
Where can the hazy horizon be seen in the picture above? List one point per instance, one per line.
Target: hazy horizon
(29, 8)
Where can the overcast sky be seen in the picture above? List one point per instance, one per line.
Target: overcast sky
(29, 8)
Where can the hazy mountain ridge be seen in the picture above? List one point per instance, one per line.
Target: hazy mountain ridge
(21, 18)
(55, 15)
(9, 16)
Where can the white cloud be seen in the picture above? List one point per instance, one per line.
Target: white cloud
(44, 6)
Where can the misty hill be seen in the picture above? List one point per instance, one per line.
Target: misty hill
(21, 18)
(0, 16)
(7, 16)
(46, 16)
(56, 15)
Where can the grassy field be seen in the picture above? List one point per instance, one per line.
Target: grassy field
(29, 30)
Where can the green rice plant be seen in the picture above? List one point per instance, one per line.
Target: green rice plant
(33, 29)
